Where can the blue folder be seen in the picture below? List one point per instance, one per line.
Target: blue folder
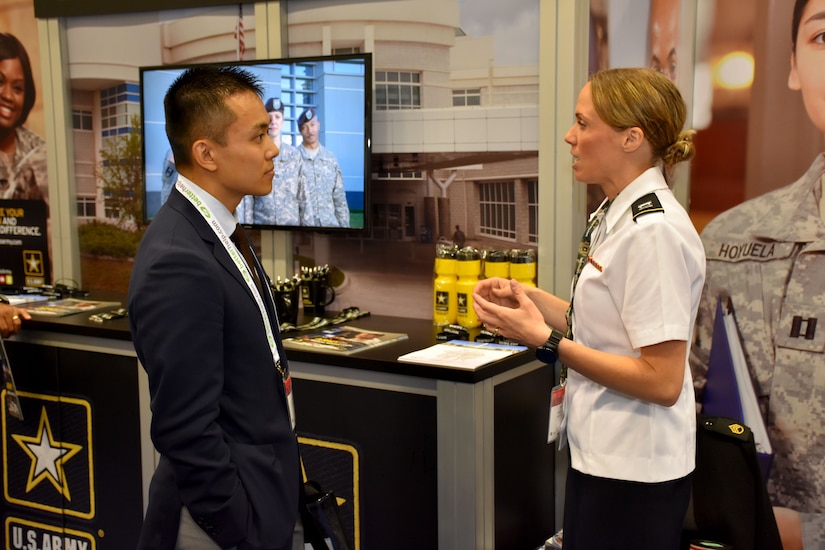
(723, 396)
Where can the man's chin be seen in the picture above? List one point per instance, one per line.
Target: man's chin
(265, 190)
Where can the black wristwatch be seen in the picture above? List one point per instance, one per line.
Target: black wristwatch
(549, 351)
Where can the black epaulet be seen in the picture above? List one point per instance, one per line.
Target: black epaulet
(646, 205)
(724, 426)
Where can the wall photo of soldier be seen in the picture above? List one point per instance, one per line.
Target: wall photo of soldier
(25, 253)
(22, 150)
(767, 255)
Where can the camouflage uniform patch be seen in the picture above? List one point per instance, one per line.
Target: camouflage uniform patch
(281, 206)
(322, 190)
(26, 176)
(169, 176)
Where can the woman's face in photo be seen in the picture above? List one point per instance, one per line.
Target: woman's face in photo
(12, 92)
(276, 121)
(808, 62)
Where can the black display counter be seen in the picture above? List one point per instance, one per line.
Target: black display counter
(420, 457)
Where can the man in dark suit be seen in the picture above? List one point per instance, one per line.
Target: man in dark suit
(228, 475)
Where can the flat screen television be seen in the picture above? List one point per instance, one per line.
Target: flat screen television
(338, 89)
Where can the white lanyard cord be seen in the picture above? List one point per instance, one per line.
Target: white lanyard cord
(233, 252)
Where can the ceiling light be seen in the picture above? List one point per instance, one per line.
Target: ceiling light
(734, 71)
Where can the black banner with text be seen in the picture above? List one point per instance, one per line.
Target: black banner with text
(24, 243)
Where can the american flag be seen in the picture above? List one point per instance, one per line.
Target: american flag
(239, 34)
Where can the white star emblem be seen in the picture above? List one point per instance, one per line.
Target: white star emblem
(34, 264)
(48, 457)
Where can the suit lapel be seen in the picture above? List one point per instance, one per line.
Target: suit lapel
(177, 201)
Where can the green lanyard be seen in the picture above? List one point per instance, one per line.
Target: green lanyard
(581, 260)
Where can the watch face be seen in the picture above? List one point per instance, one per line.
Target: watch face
(546, 355)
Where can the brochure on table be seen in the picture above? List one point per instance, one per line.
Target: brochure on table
(23, 300)
(342, 340)
(67, 306)
(462, 354)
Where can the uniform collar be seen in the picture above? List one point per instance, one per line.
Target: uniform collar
(647, 182)
(795, 213)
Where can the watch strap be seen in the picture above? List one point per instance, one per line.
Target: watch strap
(549, 351)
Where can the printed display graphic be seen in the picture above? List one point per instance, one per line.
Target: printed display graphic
(336, 467)
(48, 458)
(30, 535)
(24, 243)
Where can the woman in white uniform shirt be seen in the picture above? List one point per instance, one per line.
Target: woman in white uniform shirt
(629, 400)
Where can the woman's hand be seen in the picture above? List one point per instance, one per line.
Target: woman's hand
(497, 291)
(505, 309)
(11, 319)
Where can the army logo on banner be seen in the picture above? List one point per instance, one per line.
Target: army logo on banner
(48, 459)
(24, 244)
(25, 534)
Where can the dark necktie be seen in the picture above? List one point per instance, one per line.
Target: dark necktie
(241, 240)
(581, 260)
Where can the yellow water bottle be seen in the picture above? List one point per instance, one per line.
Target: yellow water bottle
(468, 269)
(444, 286)
(523, 266)
(497, 264)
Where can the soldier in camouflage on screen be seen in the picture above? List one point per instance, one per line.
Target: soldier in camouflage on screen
(768, 255)
(169, 176)
(281, 206)
(323, 200)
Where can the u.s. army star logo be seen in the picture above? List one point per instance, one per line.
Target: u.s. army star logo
(48, 457)
(33, 263)
(48, 462)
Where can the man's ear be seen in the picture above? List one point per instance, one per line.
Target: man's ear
(634, 137)
(202, 155)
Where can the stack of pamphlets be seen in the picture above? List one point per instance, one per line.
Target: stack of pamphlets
(342, 340)
(66, 306)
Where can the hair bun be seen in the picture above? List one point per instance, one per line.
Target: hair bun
(683, 149)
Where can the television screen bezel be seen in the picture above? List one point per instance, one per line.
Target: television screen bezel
(363, 57)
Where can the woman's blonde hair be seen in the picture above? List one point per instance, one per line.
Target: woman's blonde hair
(644, 98)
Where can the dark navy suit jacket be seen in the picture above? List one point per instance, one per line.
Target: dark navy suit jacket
(219, 411)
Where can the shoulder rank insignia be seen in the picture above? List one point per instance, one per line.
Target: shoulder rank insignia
(646, 205)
